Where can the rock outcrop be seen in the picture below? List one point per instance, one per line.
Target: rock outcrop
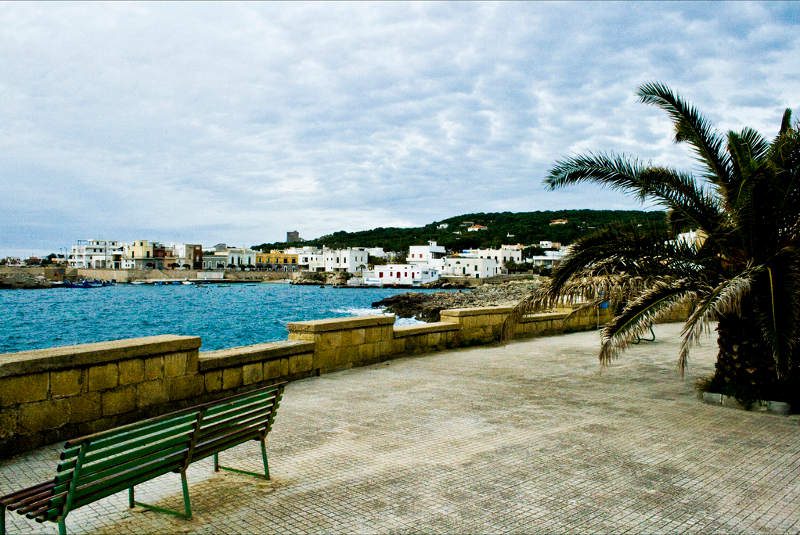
(20, 280)
(426, 306)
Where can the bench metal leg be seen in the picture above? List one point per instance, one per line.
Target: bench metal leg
(62, 526)
(265, 475)
(2, 520)
(187, 503)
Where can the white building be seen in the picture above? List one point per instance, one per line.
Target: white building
(96, 254)
(308, 258)
(549, 258)
(241, 257)
(351, 260)
(377, 252)
(501, 255)
(400, 274)
(431, 255)
(471, 266)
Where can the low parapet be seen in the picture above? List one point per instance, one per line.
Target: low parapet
(52, 394)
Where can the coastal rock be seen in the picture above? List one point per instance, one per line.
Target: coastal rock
(20, 280)
(427, 306)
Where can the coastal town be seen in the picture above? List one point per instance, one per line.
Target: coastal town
(423, 264)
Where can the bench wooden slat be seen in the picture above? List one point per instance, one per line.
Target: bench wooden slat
(209, 421)
(16, 497)
(133, 435)
(249, 419)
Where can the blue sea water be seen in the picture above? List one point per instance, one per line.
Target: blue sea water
(222, 315)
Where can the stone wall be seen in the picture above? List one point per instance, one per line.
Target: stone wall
(53, 394)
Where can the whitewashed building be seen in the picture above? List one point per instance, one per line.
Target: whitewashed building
(400, 275)
(431, 255)
(501, 255)
(351, 260)
(471, 266)
(96, 254)
(308, 258)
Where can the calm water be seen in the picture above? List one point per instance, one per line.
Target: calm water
(223, 316)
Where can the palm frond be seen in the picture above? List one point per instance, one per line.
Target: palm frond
(673, 189)
(786, 121)
(725, 298)
(639, 314)
(691, 127)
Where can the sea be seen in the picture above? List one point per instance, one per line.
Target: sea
(222, 315)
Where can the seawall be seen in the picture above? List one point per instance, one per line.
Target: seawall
(58, 393)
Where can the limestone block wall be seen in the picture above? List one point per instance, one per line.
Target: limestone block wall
(477, 325)
(50, 394)
(55, 394)
(342, 343)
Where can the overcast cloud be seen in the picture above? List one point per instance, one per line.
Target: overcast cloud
(237, 122)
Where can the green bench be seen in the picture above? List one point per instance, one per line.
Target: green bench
(102, 464)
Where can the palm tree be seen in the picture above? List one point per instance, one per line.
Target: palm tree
(742, 273)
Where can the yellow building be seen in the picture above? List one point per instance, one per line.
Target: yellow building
(276, 260)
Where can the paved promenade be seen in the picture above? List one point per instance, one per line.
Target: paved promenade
(530, 437)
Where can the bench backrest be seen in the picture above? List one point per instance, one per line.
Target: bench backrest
(98, 465)
(229, 422)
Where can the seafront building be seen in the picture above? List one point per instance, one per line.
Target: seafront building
(423, 264)
(96, 254)
(471, 266)
(502, 255)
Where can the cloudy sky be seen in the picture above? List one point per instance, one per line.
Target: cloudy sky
(237, 122)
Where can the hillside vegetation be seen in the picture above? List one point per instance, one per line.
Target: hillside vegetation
(525, 227)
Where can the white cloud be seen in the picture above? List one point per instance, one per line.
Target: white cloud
(235, 122)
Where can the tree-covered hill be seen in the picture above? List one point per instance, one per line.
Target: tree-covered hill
(503, 227)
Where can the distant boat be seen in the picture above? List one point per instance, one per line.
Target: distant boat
(187, 282)
(138, 282)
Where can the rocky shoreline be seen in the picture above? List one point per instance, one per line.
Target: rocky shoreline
(426, 306)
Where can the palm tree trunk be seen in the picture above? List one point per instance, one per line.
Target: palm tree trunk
(745, 368)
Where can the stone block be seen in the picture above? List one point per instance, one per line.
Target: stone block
(374, 334)
(153, 368)
(398, 346)
(253, 373)
(231, 378)
(301, 363)
(43, 415)
(367, 352)
(384, 348)
(23, 389)
(192, 361)
(119, 401)
(103, 377)
(151, 393)
(213, 380)
(187, 387)
(175, 365)
(731, 402)
(324, 359)
(330, 340)
(85, 407)
(66, 383)
(306, 337)
(273, 368)
(8, 423)
(131, 371)
(358, 337)
(434, 339)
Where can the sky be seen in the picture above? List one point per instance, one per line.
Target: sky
(236, 122)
